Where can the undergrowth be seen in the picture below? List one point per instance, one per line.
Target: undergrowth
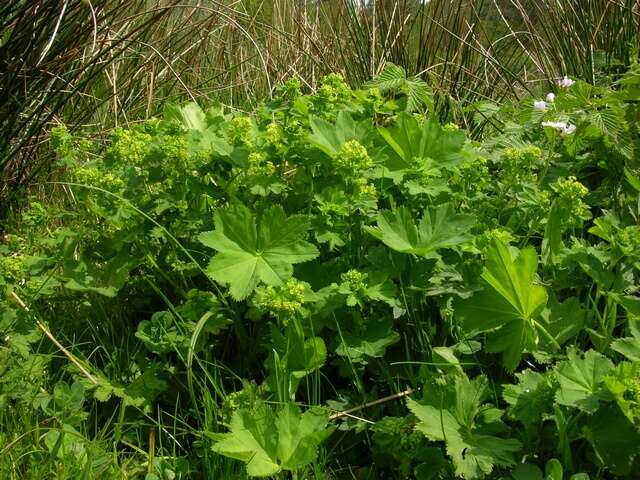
(338, 286)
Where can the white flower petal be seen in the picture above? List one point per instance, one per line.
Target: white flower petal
(565, 82)
(568, 130)
(540, 105)
(557, 125)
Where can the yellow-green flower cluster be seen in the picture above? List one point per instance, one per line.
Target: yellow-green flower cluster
(98, 178)
(12, 267)
(333, 88)
(295, 129)
(292, 87)
(628, 240)
(570, 188)
(450, 127)
(374, 98)
(240, 130)
(523, 154)
(544, 203)
(129, 147)
(629, 236)
(259, 166)
(35, 215)
(571, 193)
(39, 284)
(285, 300)
(632, 394)
(420, 117)
(484, 240)
(365, 189)
(273, 134)
(61, 140)
(519, 163)
(234, 400)
(353, 157)
(244, 398)
(634, 387)
(473, 174)
(355, 280)
(176, 150)
(199, 159)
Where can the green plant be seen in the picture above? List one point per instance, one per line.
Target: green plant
(241, 295)
(107, 64)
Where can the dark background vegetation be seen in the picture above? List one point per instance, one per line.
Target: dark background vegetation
(95, 64)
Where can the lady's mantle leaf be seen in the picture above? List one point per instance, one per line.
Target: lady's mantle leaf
(408, 140)
(615, 439)
(329, 138)
(250, 251)
(628, 346)
(440, 227)
(190, 115)
(372, 342)
(581, 380)
(508, 305)
(454, 414)
(530, 398)
(269, 444)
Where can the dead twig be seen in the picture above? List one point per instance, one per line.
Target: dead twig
(53, 339)
(388, 398)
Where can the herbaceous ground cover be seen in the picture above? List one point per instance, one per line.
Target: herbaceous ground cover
(215, 290)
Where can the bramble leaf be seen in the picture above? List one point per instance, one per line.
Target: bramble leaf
(393, 77)
(251, 250)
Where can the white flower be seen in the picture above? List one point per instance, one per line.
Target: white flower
(556, 125)
(564, 128)
(551, 97)
(540, 105)
(565, 82)
(568, 130)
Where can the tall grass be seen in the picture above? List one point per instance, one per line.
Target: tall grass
(103, 63)
(580, 37)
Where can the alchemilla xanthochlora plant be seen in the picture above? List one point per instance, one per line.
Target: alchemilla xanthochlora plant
(339, 285)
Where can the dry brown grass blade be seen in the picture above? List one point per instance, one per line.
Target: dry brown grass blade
(55, 341)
